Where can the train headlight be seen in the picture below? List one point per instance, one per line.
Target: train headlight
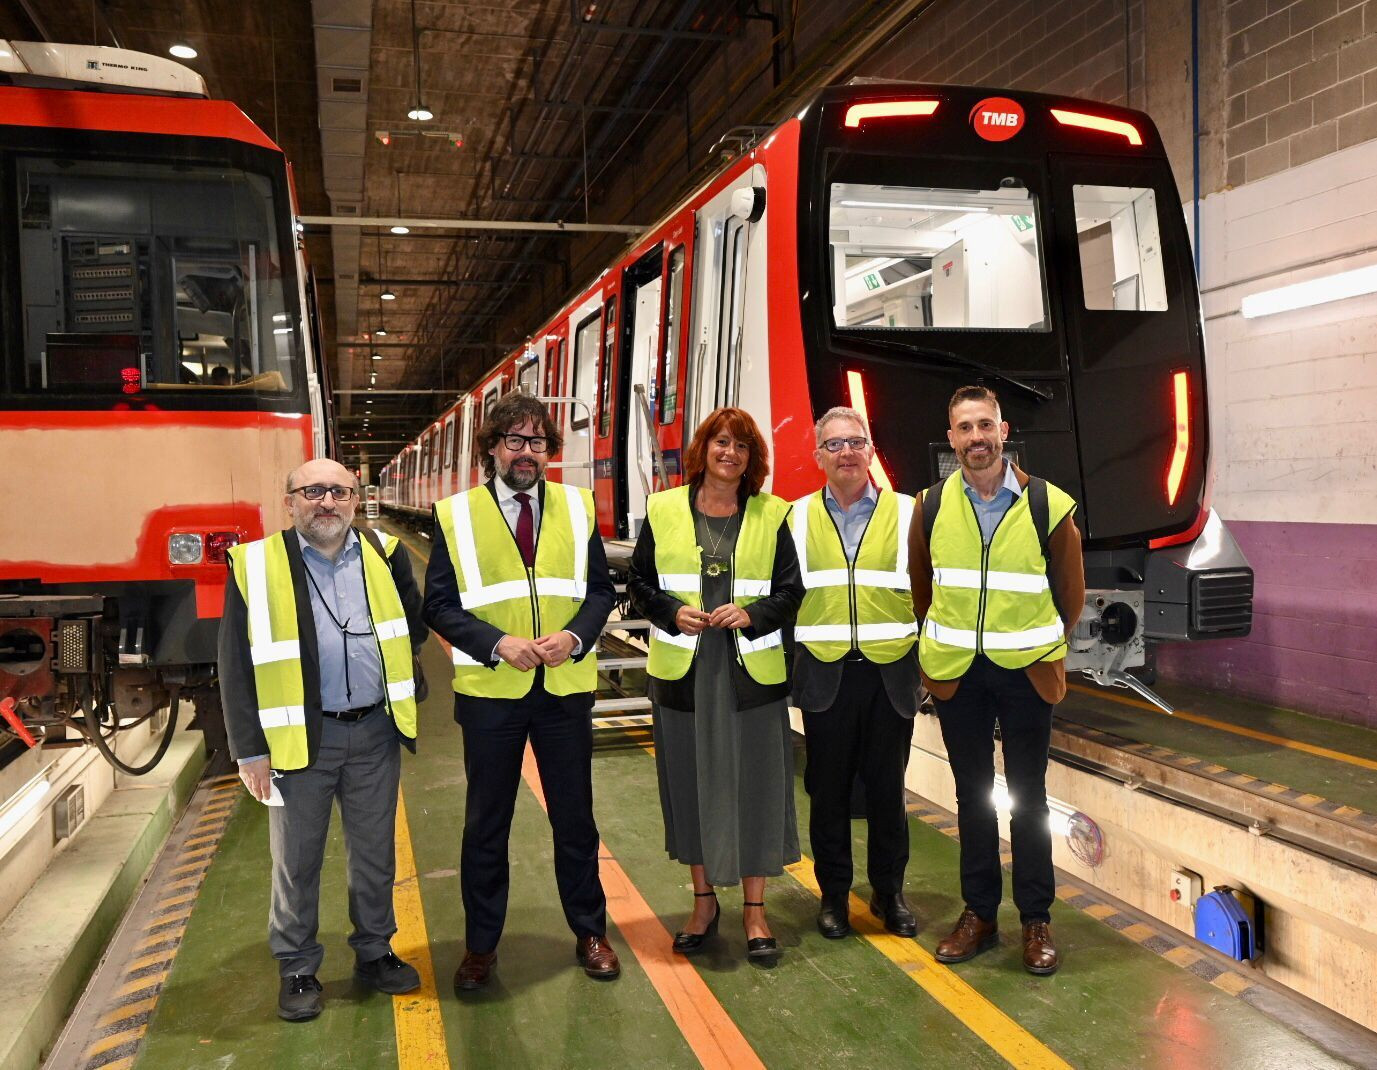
(184, 549)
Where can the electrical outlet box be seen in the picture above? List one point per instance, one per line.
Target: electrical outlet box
(1186, 887)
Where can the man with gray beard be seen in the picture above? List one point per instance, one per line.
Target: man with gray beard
(320, 628)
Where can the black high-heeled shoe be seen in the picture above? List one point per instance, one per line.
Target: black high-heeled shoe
(762, 950)
(691, 943)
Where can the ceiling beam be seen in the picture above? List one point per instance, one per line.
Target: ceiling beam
(470, 224)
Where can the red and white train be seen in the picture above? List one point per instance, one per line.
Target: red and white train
(886, 245)
(159, 377)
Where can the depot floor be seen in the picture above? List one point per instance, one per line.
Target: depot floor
(870, 1000)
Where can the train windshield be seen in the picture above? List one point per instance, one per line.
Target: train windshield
(914, 258)
(151, 279)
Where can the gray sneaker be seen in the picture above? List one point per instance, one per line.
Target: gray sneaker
(388, 974)
(299, 998)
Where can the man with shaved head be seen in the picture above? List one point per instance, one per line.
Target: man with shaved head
(320, 629)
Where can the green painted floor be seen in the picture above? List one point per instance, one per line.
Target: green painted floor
(828, 1004)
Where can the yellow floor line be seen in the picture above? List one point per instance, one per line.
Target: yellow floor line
(420, 1029)
(1224, 726)
(1018, 1046)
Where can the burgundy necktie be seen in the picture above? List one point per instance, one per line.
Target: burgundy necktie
(525, 530)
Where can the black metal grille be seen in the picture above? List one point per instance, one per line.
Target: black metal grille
(1223, 601)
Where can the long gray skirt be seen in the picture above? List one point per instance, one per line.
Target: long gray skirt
(726, 775)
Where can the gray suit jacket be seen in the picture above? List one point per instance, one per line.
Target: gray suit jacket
(815, 683)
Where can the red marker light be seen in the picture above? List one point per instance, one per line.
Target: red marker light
(1099, 122)
(887, 109)
(218, 544)
(1177, 469)
(856, 385)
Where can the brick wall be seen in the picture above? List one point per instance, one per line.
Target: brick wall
(1301, 82)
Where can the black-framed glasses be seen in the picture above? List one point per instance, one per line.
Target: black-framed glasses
(316, 492)
(536, 443)
(836, 445)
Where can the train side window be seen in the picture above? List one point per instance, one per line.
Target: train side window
(456, 444)
(585, 365)
(609, 351)
(448, 446)
(669, 368)
(528, 378)
(1120, 243)
(554, 352)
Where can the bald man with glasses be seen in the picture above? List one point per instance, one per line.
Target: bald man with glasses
(317, 644)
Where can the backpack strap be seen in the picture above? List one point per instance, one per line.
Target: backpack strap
(932, 504)
(371, 536)
(1037, 507)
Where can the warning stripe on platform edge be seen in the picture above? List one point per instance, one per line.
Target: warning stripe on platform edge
(1159, 938)
(120, 1030)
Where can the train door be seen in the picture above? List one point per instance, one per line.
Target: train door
(1132, 323)
(585, 327)
(528, 372)
(635, 424)
(729, 361)
(463, 441)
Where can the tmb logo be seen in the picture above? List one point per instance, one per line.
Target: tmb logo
(997, 118)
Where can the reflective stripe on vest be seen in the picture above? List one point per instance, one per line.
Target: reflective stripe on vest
(263, 575)
(993, 600)
(867, 603)
(677, 561)
(496, 586)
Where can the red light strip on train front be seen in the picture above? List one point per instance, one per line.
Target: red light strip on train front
(857, 388)
(1181, 390)
(887, 109)
(1099, 122)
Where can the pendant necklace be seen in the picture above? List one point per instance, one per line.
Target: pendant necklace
(716, 566)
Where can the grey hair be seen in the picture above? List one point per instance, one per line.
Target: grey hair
(287, 488)
(839, 412)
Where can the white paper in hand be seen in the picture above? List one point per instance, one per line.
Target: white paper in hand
(274, 796)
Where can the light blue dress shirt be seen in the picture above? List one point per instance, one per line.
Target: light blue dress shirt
(337, 586)
(852, 522)
(990, 513)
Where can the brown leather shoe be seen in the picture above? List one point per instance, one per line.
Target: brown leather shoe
(1039, 953)
(970, 937)
(597, 958)
(475, 971)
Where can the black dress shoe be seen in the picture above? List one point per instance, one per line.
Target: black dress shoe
(298, 1000)
(686, 943)
(894, 912)
(388, 974)
(834, 919)
(475, 971)
(762, 950)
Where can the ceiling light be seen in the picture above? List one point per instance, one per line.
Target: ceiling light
(377, 356)
(369, 401)
(399, 229)
(381, 332)
(182, 51)
(1314, 292)
(387, 295)
(421, 114)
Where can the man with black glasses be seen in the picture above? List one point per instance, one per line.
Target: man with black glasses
(518, 585)
(317, 641)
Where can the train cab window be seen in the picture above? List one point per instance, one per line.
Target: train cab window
(609, 349)
(585, 366)
(669, 368)
(528, 378)
(910, 258)
(1120, 244)
(141, 278)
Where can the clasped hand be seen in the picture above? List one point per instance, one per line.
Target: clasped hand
(692, 621)
(552, 650)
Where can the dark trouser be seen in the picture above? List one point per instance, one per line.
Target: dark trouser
(862, 734)
(358, 764)
(494, 743)
(988, 694)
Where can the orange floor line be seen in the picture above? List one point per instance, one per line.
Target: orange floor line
(705, 1024)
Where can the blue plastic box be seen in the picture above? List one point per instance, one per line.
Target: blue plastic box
(1221, 922)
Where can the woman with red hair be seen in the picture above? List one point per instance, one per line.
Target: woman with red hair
(716, 574)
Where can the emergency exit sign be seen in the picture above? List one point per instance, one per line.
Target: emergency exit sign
(1022, 222)
(872, 280)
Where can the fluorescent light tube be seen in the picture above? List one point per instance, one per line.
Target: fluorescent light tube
(1319, 291)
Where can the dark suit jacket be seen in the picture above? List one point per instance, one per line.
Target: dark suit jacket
(771, 613)
(444, 612)
(239, 693)
(816, 682)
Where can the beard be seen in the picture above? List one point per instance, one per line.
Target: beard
(322, 527)
(520, 475)
(978, 462)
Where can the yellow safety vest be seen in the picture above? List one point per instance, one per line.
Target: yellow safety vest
(866, 603)
(496, 586)
(677, 555)
(264, 579)
(993, 600)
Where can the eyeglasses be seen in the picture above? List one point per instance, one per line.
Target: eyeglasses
(836, 445)
(537, 443)
(315, 492)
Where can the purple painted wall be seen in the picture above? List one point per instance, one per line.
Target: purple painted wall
(1313, 645)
